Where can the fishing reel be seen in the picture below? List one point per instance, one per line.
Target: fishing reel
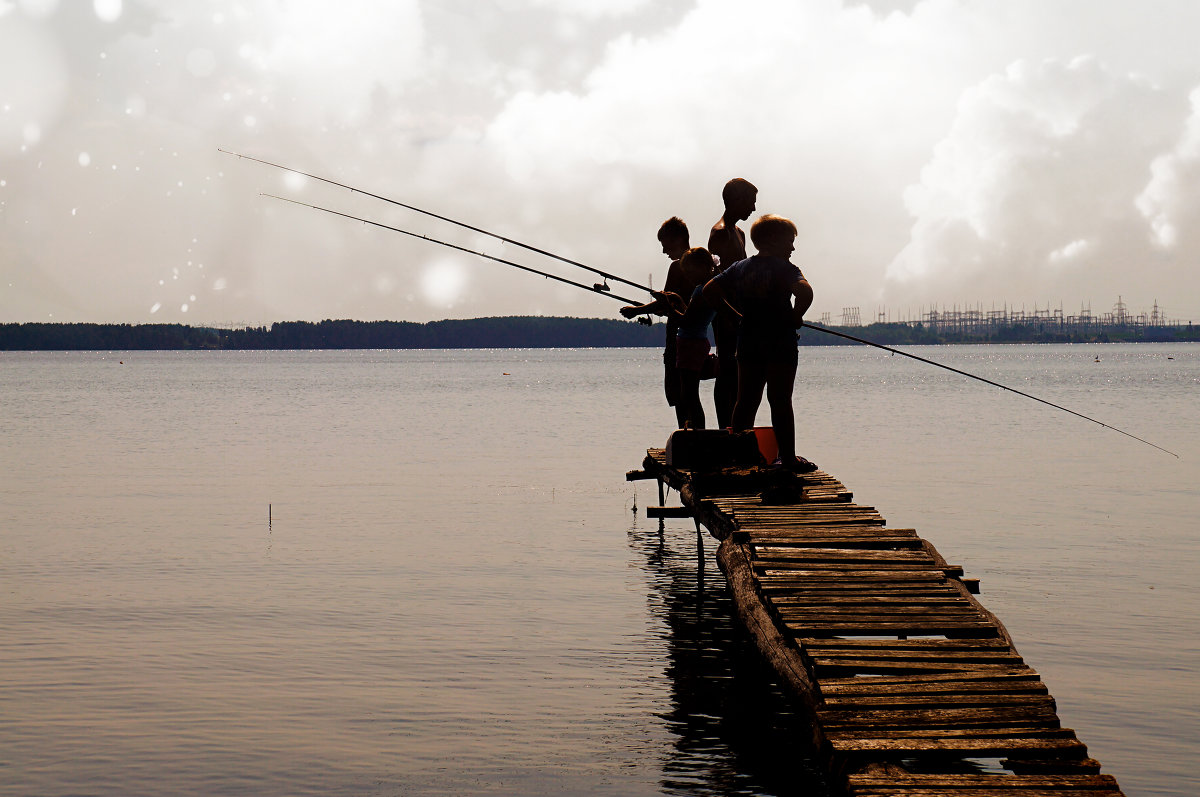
(645, 320)
(601, 287)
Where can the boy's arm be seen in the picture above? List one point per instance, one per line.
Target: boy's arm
(803, 294)
(668, 304)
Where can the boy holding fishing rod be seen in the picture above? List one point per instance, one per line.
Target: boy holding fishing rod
(772, 296)
(692, 317)
(674, 237)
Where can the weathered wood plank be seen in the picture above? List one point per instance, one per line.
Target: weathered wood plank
(951, 687)
(1014, 730)
(906, 644)
(905, 628)
(904, 719)
(948, 598)
(885, 612)
(851, 577)
(994, 675)
(992, 791)
(952, 781)
(832, 658)
(1064, 748)
(935, 700)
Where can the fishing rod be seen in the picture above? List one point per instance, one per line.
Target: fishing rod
(988, 381)
(547, 275)
(600, 287)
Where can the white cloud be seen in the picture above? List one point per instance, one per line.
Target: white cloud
(1040, 170)
(953, 151)
(1171, 202)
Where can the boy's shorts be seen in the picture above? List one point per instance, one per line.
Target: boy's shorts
(690, 353)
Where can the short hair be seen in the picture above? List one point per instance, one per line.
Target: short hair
(770, 226)
(673, 227)
(735, 188)
(698, 255)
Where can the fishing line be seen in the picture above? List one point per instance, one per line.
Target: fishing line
(987, 381)
(599, 287)
(547, 275)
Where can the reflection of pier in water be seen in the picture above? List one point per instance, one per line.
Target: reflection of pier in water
(912, 687)
(735, 733)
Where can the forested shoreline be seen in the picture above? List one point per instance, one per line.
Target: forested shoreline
(510, 332)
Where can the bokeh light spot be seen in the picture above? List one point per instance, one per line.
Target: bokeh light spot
(107, 10)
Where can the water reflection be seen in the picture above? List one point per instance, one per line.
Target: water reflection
(733, 727)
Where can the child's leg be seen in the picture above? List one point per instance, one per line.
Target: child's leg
(752, 377)
(781, 378)
(689, 398)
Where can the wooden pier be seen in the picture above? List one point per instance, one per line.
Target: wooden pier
(914, 689)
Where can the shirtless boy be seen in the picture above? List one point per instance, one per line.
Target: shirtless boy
(727, 241)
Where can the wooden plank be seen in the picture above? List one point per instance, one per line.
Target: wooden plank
(906, 644)
(935, 700)
(832, 658)
(892, 611)
(951, 687)
(1043, 748)
(853, 578)
(835, 601)
(832, 554)
(1014, 730)
(994, 675)
(848, 586)
(862, 541)
(900, 628)
(992, 791)
(1005, 780)
(1024, 716)
(907, 666)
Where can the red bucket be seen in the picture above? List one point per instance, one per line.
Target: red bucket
(765, 435)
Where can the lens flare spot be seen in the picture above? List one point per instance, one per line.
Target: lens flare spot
(107, 10)
(443, 282)
(294, 180)
(85, 159)
(183, 308)
(154, 308)
(220, 284)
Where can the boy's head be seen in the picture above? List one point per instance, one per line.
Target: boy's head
(770, 233)
(697, 264)
(673, 235)
(739, 196)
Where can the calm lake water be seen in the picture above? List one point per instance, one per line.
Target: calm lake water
(451, 593)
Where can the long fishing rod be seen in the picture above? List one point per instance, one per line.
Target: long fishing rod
(604, 290)
(600, 287)
(547, 275)
(988, 381)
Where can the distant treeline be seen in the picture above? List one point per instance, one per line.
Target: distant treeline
(513, 332)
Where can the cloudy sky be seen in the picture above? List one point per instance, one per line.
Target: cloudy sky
(969, 152)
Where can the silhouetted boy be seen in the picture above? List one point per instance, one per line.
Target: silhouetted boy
(673, 235)
(763, 288)
(728, 243)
